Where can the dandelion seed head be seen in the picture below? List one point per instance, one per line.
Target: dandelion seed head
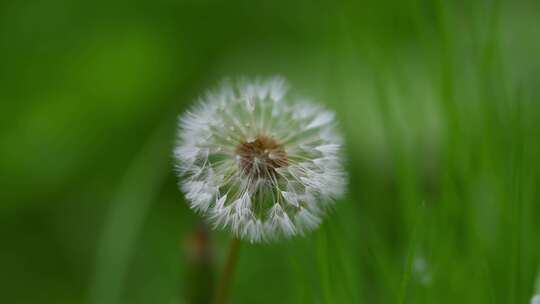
(258, 162)
(535, 299)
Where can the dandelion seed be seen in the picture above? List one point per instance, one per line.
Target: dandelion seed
(421, 271)
(258, 162)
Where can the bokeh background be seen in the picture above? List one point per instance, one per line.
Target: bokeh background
(438, 101)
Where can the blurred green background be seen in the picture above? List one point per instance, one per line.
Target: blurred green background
(438, 101)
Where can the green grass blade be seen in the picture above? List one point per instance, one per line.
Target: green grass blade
(134, 196)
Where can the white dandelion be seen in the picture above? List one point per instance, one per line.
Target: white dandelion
(258, 162)
(536, 299)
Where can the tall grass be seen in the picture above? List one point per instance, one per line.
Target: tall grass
(438, 101)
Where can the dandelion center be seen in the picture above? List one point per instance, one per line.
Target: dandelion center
(261, 157)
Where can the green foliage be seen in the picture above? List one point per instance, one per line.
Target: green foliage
(438, 101)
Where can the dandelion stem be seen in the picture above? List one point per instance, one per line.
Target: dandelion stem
(228, 271)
